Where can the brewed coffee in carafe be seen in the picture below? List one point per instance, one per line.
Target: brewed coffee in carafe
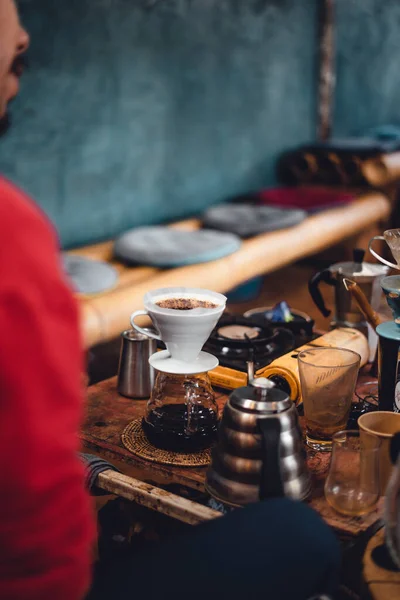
(182, 415)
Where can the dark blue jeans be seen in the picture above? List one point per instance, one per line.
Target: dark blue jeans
(274, 550)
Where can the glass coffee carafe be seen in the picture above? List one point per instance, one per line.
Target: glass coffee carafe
(182, 415)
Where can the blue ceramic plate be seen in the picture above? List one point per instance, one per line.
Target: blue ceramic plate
(164, 247)
(89, 276)
(247, 220)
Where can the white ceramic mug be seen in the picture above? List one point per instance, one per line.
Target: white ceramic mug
(184, 332)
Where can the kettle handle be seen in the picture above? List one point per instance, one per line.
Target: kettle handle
(313, 287)
(271, 485)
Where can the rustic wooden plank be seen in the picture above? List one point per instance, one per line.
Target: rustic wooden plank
(155, 498)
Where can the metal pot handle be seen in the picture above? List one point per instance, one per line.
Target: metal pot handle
(271, 485)
(313, 287)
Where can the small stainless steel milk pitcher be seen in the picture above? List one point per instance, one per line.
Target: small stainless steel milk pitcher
(135, 375)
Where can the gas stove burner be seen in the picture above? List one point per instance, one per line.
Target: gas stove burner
(236, 340)
(238, 332)
(302, 323)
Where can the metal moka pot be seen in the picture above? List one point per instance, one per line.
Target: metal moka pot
(259, 453)
(367, 275)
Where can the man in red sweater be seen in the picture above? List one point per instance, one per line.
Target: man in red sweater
(46, 526)
(276, 549)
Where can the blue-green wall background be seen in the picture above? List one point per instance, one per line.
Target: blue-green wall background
(368, 65)
(131, 114)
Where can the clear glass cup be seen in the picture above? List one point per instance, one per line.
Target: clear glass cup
(352, 485)
(328, 378)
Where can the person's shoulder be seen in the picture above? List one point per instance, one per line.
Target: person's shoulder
(28, 243)
(18, 211)
(23, 225)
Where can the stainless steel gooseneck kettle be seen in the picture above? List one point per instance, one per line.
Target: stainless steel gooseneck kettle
(259, 453)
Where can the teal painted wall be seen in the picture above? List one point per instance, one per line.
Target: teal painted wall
(132, 115)
(368, 65)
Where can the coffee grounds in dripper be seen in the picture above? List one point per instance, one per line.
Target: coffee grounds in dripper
(185, 303)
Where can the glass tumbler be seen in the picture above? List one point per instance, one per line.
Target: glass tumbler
(352, 485)
(328, 378)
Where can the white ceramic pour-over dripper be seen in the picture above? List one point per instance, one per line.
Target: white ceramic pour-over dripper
(392, 238)
(184, 332)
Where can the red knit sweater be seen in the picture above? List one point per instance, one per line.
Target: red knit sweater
(45, 515)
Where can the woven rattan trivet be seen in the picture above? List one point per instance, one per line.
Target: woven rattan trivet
(135, 440)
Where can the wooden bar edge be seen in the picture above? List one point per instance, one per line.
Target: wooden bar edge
(155, 498)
